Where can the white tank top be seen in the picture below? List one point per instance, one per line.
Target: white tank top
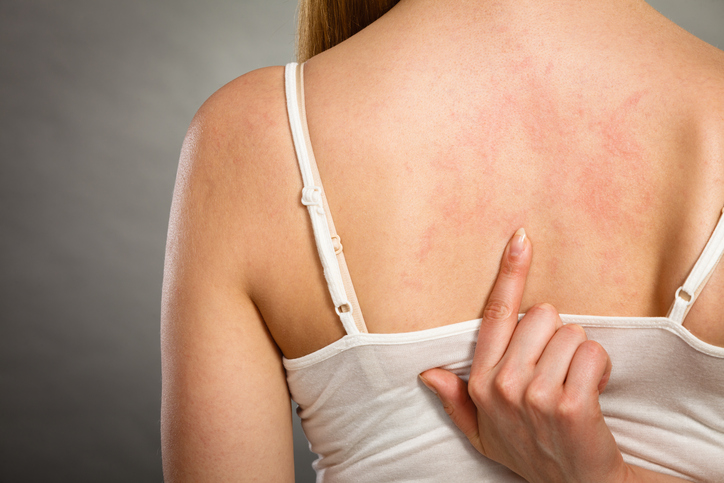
(369, 418)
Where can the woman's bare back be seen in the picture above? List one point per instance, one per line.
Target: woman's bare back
(441, 129)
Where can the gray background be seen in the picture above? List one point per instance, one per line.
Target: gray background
(95, 99)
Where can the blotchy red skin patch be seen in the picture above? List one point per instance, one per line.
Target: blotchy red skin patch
(543, 146)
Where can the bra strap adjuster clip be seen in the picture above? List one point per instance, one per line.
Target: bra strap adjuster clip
(312, 196)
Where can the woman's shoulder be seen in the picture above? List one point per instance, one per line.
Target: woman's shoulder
(245, 113)
(237, 164)
(699, 67)
(241, 132)
(688, 80)
(705, 92)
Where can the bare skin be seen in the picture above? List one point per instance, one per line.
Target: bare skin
(438, 130)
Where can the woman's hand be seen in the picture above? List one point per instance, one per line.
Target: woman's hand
(532, 399)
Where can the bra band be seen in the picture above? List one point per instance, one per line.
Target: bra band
(313, 197)
(686, 294)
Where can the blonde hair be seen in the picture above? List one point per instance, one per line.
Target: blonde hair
(325, 23)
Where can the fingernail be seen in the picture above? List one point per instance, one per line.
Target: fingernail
(517, 245)
(426, 383)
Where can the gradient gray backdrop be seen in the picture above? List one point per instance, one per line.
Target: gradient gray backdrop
(95, 99)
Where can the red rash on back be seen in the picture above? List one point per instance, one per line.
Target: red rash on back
(427, 242)
(538, 141)
(614, 178)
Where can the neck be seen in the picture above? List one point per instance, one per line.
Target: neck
(468, 29)
(531, 17)
(533, 10)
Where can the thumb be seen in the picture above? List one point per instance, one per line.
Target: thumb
(453, 393)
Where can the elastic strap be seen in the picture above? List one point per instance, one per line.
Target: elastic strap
(313, 198)
(336, 240)
(687, 294)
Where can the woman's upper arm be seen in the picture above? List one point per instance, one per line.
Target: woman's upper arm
(226, 413)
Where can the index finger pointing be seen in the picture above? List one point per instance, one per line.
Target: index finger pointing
(500, 315)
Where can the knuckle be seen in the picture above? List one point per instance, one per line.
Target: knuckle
(507, 385)
(574, 332)
(593, 351)
(544, 314)
(538, 397)
(513, 268)
(544, 310)
(478, 394)
(497, 310)
(568, 410)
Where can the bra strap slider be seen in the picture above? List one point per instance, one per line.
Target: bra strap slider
(683, 295)
(337, 243)
(312, 196)
(706, 263)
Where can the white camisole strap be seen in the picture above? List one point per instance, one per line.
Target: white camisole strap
(328, 242)
(699, 275)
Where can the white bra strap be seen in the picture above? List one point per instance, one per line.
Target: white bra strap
(313, 198)
(359, 320)
(686, 294)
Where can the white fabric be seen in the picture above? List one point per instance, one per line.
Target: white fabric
(369, 418)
